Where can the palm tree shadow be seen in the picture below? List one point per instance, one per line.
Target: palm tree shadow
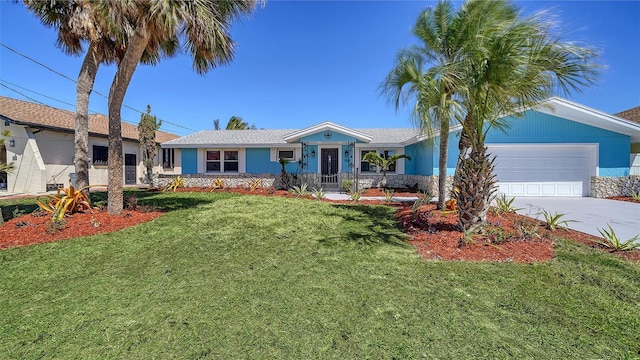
(369, 225)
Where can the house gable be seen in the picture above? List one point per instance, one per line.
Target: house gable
(325, 132)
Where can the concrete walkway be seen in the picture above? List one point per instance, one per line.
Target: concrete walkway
(591, 213)
(343, 196)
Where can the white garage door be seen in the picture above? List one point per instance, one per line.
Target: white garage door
(544, 170)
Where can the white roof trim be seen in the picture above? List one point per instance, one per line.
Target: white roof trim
(327, 125)
(573, 111)
(167, 145)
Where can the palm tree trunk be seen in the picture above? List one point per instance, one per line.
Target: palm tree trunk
(86, 79)
(121, 80)
(442, 165)
(475, 183)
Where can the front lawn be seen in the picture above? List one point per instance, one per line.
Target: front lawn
(228, 276)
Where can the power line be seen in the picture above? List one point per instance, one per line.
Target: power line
(94, 91)
(52, 98)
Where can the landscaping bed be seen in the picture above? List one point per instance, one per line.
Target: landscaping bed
(434, 233)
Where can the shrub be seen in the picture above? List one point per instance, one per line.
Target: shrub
(497, 234)
(299, 190)
(610, 240)
(347, 185)
(635, 195)
(218, 184)
(175, 184)
(356, 195)
(424, 198)
(504, 205)
(319, 194)
(255, 184)
(131, 203)
(56, 225)
(526, 228)
(451, 205)
(66, 201)
(388, 196)
(554, 221)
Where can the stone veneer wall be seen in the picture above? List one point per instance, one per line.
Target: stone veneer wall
(206, 180)
(424, 183)
(602, 187)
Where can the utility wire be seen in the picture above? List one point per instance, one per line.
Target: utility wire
(75, 82)
(52, 98)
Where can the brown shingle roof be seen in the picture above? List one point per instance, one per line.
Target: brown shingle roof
(26, 113)
(632, 114)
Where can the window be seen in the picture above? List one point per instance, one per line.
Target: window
(100, 155)
(385, 154)
(227, 163)
(167, 158)
(366, 166)
(231, 161)
(213, 160)
(286, 154)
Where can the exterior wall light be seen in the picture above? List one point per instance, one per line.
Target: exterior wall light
(313, 153)
(12, 143)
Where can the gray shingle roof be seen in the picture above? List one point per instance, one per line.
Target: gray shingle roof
(276, 137)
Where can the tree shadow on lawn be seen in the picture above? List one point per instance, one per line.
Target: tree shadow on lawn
(369, 225)
(164, 202)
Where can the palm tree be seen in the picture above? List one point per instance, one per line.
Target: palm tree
(512, 65)
(236, 123)
(432, 89)
(204, 27)
(77, 22)
(384, 163)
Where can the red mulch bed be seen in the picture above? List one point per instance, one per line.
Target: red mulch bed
(435, 236)
(624, 198)
(37, 228)
(434, 233)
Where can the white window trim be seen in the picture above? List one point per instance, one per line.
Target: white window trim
(241, 165)
(399, 164)
(293, 154)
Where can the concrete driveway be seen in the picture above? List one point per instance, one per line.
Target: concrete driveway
(592, 213)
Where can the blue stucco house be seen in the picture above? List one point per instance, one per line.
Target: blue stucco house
(555, 150)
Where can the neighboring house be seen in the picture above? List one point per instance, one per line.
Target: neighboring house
(633, 114)
(553, 151)
(41, 148)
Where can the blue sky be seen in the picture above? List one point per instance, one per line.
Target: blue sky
(298, 63)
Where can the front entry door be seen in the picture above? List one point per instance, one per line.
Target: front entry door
(129, 169)
(329, 165)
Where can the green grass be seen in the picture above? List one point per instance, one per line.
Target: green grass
(227, 276)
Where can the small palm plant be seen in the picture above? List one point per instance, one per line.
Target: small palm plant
(612, 241)
(66, 201)
(175, 184)
(504, 205)
(424, 198)
(388, 196)
(384, 164)
(635, 195)
(356, 195)
(299, 190)
(319, 194)
(554, 221)
(218, 184)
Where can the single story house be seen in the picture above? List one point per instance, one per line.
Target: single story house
(41, 147)
(564, 149)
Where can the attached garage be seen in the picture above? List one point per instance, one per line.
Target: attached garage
(545, 169)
